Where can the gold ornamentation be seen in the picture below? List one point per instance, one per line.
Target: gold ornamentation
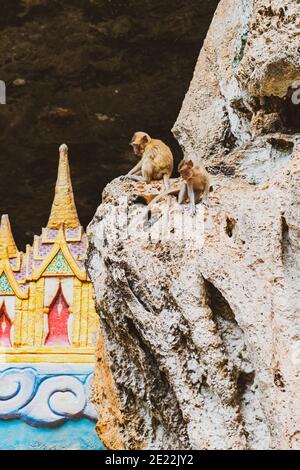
(6, 237)
(60, 245)
(63, 208)
(5, 268)
(56, 258)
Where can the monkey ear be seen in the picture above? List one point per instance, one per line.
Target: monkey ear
(145, 139)
(180, 165)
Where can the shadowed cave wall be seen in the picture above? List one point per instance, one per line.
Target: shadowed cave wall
(88, 73)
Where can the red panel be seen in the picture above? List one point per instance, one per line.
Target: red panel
(58, 321)
(5, 326)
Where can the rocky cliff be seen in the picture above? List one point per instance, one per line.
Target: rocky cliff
(200, 340)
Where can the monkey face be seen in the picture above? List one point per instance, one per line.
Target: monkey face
(136, 149)
(139, 142)
(185, 169)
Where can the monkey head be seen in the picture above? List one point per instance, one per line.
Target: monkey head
(139, 142)
(185, 169)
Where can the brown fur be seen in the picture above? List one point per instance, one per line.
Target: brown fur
(156, 157)
(198, 175)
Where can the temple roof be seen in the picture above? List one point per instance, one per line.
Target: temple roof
(63, 208)
(70, 256)
(7, 241)
(62, 243)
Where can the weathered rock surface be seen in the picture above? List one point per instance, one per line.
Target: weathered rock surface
(200, 342)
(243, 82)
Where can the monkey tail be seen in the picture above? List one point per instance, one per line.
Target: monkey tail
(160, 195)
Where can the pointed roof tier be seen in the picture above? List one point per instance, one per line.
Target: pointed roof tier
(60, 259)
(7, 242)
(63, 208)
(10, 281)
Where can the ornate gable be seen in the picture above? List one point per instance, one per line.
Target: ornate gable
(58, 258)
(12, 264)
(5, 287)
(58, 265)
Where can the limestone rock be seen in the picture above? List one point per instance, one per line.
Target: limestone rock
(200, 343)
(247, 69)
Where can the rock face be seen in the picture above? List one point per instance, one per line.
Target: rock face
(200, 341)
(244, 79)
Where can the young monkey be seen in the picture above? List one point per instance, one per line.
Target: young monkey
(194, 187)
(197, 183)
(156, 159)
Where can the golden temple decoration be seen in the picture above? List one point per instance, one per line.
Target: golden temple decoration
(63, 207)
(47, 309)
(8, 283)
(6, 237)
(60, 248)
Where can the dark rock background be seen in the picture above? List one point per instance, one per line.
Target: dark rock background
(88, 73)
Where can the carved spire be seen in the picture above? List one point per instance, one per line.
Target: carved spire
(7, 243)
(63, 208)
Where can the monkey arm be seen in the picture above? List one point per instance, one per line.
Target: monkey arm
(135, 177)
(136, 168)
(182, 193)
(191, 195)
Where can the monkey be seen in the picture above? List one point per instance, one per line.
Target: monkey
(197, 183)
(156, 159)
(194, 187)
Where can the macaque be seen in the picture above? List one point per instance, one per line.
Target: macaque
(156, 160)
(194, 187)
(197, 183)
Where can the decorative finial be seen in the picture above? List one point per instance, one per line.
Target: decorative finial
(63, 149)
(63, 208)
(6, 238)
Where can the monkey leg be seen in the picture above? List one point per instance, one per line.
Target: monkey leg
(198, 196)
(166, 180)
(204, 199)
(191, 195)
(201, 196)
(165, 221)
